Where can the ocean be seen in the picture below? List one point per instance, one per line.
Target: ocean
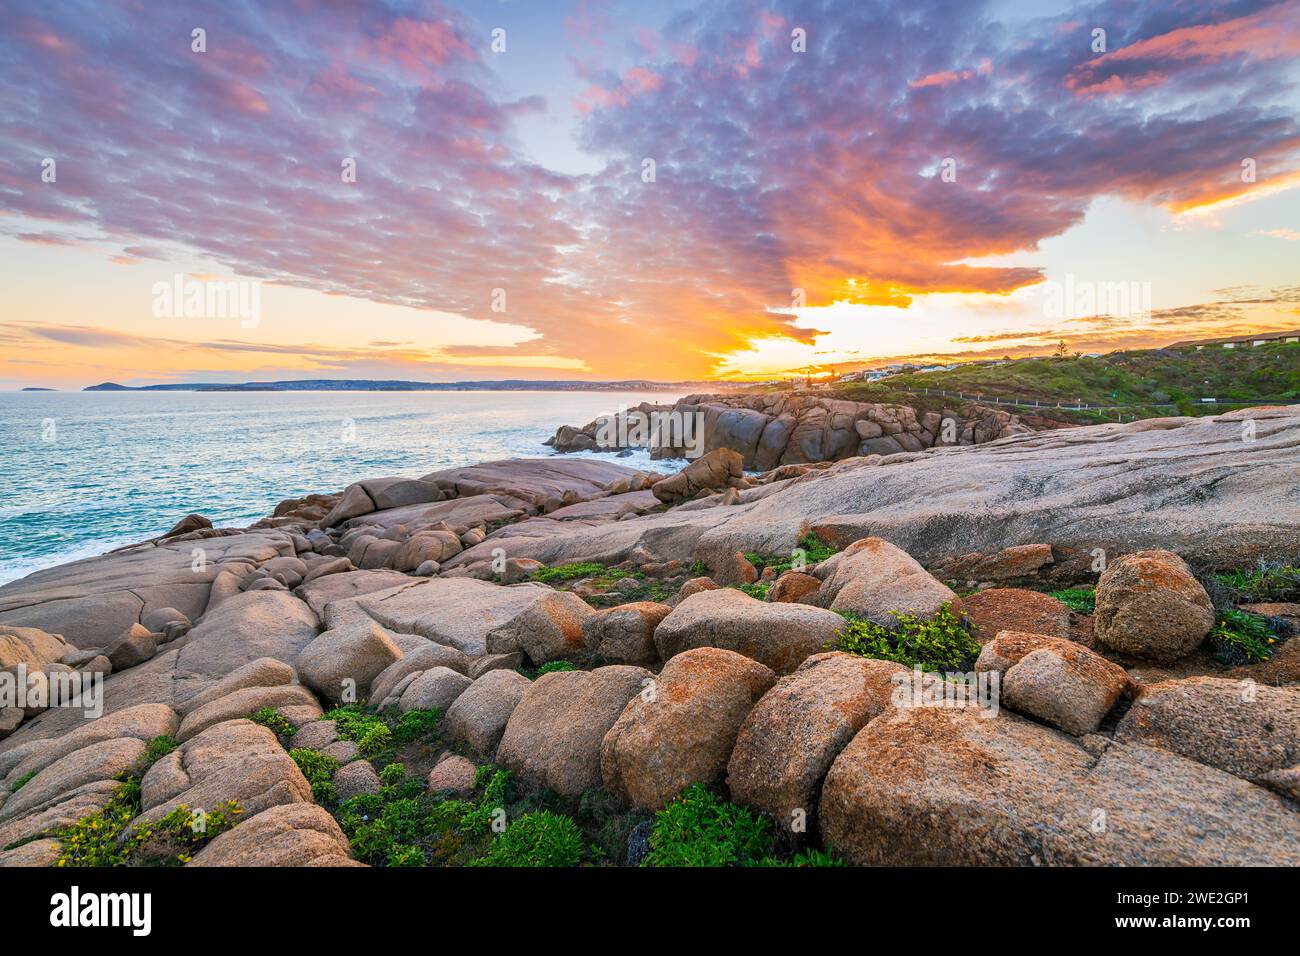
(86, 472)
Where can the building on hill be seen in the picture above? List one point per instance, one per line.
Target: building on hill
(1240, 341)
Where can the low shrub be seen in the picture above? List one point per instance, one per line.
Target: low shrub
(319, 770)
(1079, 600)
(756, 590)
(939, 643)
(572, 572)
(274, 721)
(536, 839)
(700, 829)
(157, 748)
(417, 725)
(814, 552)
(1265, 583)
(1239, 637)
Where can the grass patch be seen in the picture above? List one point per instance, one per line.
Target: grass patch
(274, 721)
(417, 725)
(1079, 600)
(319, 770)
(814, 552)
(1240, 638)
(22, 781)
(700, 829)
(371, 732)
(581, 569)
(940, 643)
(1264, 584)
(756, 590)
(536, 839)
(102, 839)
(157, 748)
(550, 667)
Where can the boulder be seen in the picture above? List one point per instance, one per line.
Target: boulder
(1149, 605)
(315, 735)
(1241, 728)
(1067, 686)
(712, 471)
(354, 503)
(452, 774)
(494, 662)
(625, 634)
(236, 760)
(94, 763)
(460, 612)
(421, 659)
(548, 629)
(243, 702)
(343, 584)
(436, 688)
(794, 587)
(346, 658)
(478, 717)
(29, 646)
(794, 733)
(244, 628)
(134, 647)
(875, 580)
(263, 672)
(141, 722)
(945, 786)
(780, 636)
(1015, 609)
(520, 569)
(355, 778)
(683, 732)
(553, 738)
(293, 834)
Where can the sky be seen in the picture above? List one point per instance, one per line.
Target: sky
(609, 190)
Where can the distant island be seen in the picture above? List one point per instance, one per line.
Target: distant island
(393, 385)
(37, 388)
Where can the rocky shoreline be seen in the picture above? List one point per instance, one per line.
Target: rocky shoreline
(782, 428)
(586, 650)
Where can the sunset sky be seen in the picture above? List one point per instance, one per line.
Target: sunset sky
(522, 170)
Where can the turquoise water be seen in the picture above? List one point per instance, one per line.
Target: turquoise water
(88, 471)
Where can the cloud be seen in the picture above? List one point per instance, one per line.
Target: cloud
(777, 174)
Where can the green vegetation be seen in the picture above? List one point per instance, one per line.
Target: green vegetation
(319, 770)
(536, 839)
(401, 825)
(940, 643)
(102, 838)
(1239, 638)
(701, 829)
(631, 585)
(159, 747)
(814, 552)
(373, 733)
(1265, 583)
(22, 781)
(1079, 600)
(550, 667)
(757, 590)
(1144, 379)
(274, 721)
(417, 725)
(572, 572)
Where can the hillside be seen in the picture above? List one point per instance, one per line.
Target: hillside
(1143, 383)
